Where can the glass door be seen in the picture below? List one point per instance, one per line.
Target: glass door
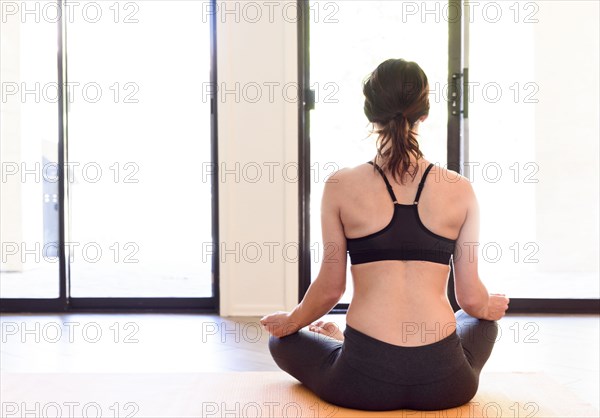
(524, 128)
(533, 146)
(140, 148)
(347, 41)
(29, 193)
(107, 196)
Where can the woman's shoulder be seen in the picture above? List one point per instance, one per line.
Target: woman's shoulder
(342, 185)
(448, 176)
(451, 183)
(347, 176)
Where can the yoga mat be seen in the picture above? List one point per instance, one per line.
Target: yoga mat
(255, 394)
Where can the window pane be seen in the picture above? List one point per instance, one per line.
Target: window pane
(534, 146)
(348, 40)
(139, 143)
(28, 155)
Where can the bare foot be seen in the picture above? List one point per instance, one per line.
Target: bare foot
(329, 329)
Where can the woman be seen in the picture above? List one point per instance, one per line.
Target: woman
(402, 220)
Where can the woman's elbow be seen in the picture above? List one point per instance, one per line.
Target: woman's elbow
(473, 307)
(330, 287)
(335, 294)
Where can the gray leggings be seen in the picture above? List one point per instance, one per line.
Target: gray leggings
(369, 374)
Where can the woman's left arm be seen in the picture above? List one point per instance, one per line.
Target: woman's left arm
(329, 286)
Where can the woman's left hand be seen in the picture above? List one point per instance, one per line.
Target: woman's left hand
(279, 324)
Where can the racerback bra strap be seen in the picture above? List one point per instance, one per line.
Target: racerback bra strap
(422, 183)
(389, 186)
(387, 183)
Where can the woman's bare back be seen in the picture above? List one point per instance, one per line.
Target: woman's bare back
(401, 302)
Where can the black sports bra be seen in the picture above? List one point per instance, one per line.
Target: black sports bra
(404, 238)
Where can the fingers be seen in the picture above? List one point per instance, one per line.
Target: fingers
(319, 327)
(330, 327)
(325, 328)
(316, 329)
(267, 318)
(501, 296)
(277, 324)
(316, 326)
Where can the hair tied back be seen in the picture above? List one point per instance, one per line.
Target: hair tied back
(397, 84)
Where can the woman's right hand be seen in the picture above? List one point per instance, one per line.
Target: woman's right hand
(497, 306)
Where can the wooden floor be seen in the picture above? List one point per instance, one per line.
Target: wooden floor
(565, 347)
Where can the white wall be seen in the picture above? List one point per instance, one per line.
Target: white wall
(252, 209)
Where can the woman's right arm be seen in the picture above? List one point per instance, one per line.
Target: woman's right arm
(471, 294)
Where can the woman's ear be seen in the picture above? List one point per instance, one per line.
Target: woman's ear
(423, 118)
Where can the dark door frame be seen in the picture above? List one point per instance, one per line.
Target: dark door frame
(116, 304)
(457, 78)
